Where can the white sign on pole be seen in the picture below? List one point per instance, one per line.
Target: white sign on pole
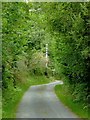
(46, 54)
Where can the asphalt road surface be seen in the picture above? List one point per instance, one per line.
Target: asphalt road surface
(40, 101)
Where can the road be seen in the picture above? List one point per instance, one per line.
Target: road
(40, 101)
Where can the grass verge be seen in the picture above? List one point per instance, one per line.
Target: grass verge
(66, 98)
(13, 96)
(0, 104)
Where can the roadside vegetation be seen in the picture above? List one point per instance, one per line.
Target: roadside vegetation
(13, 96)
(0, 104)
(26, 29)
(66, 98)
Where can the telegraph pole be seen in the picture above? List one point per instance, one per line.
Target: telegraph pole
(53, 70)
(46, 55)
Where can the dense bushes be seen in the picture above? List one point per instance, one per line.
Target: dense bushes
(69, 44)
(20, 40)
(37, 63)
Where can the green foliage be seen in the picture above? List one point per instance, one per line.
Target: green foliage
(37, 63)
(19, 40)
(65, 97)
(28, 27)
(68, 25)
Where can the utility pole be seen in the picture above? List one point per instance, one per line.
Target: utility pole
(46, 55)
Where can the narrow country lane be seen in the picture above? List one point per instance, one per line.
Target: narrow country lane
(40, 101)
